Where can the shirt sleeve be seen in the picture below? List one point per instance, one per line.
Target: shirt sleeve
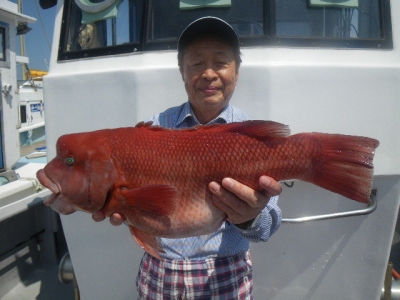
(267, 224)
(154, 119)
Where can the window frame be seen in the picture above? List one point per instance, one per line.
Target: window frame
(269, 38)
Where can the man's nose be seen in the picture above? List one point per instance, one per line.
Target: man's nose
(209, 73)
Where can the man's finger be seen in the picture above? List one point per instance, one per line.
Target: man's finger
(271, 186)
(117, 219)
(230, 212)
(98, 216)
(242, 191)
(229, 199)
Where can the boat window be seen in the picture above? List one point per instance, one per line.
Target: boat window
(351, 22)
(2, 167)
(115, 29)
(145, 25)
(166, 19)
(22, 113)
(2, 44)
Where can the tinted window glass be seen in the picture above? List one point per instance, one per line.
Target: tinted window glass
(84, 31)
(2, 44)
(296, 18)
(140, 25)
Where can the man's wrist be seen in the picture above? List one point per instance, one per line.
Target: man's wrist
(249, 224)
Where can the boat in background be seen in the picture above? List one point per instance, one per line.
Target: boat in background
(31, 238)
(31, 109)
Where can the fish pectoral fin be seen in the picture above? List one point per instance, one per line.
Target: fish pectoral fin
(159, 199)
(147, 242)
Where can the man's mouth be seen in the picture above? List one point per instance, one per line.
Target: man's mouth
(209, 89)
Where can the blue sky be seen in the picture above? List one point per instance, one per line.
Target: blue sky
(38, 41)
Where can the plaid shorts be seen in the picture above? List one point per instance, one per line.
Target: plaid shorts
(213, 278)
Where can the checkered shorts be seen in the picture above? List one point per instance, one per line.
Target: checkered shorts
(213, 278)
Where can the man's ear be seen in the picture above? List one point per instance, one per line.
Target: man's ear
(181, 70)
(236, 75)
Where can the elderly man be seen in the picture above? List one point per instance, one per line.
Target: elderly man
(216, 265)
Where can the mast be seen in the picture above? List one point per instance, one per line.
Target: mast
(22, 45)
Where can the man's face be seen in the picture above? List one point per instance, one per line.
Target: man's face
(209, 72)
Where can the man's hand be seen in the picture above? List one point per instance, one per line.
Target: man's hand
(240, 202)
(116, 219)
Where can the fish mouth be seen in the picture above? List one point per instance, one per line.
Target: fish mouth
(56, 200)
(48, 183)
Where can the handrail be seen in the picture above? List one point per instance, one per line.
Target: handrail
(16, 207)
(365, 211)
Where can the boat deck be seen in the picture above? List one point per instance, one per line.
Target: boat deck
(41, 284)
(25, 150)
(395, 251)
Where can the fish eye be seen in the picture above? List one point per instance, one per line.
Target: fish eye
(69, 161)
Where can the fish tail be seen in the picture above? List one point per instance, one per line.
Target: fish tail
(345, 165)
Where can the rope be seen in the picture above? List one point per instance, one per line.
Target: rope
(38, 186)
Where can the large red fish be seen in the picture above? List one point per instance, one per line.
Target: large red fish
(158, 178)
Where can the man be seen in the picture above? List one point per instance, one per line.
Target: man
(217, 265)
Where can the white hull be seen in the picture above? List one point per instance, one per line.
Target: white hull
(348, 91)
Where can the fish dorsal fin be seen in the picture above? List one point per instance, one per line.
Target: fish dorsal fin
(159, 199)
(254, 128)
(147, 242)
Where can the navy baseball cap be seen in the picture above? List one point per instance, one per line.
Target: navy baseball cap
(209, 26)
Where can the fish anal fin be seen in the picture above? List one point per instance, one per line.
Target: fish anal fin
(158, 199)
(147, 242)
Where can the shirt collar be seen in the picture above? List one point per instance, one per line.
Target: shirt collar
(188, 118)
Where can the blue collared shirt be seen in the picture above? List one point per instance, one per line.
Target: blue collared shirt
(228, 239)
